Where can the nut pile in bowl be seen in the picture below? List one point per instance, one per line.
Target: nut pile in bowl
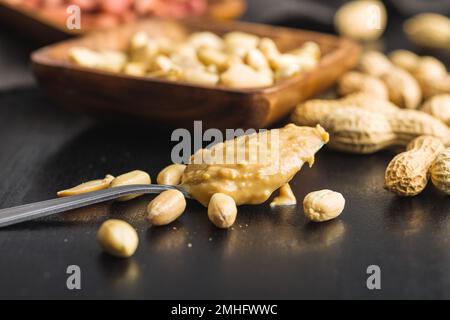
(108, 13)
(236, 60)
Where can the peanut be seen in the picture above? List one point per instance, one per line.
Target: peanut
(204, 59)
(375, 64)
(200, 77)
(430, 73)
(86, 187)
(440, 171)
(439, 107)
(205, 39)
(429, 30)
(171, 175)
(85, 57)
(131, 178)
(405, 59)
(285, 197)
(408, 173)
(211, 56)
(352, 20)
(134, 69)
(363, 130)
(269, 49)
(118, 238)
(166, 208)
(308, 49)
(239, 43)
(222, 210)
(243, 76)
(352, 82)
(323, 205)
(314, 112)
(403, 89)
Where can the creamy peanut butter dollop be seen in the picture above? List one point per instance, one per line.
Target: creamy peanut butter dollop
(251, 167)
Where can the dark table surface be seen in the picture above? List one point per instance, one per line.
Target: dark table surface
(269, 253)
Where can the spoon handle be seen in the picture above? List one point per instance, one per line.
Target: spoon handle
(41, 209)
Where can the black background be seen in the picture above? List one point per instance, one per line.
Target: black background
(270, 253)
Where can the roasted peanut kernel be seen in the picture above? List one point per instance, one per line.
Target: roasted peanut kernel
(243, 76)
(171, 175)
(222, 210)
(85, 57)
(118, 238)
(200, 40)
(86, 187)
(166, 208)
(239, 43)
(131, 178)
(323, 205)
(201, 77)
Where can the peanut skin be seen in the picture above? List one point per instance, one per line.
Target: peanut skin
(408, 173)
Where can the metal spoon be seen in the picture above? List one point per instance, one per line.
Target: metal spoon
(41, 209)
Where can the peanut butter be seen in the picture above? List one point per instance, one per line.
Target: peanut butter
(270, 160)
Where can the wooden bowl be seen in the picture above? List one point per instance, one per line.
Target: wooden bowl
(179, 103)
(44, 30)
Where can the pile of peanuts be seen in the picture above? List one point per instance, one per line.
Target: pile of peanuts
(398, 100)
(109, 13)
(236, 60)
(120, 239)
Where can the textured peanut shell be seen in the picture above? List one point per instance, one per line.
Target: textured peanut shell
(352, 82)
(405, 59)
(440, 171)
(409, 124)
(404, 90)
(407, 174)
(429, 30)
(358, 131)
(434, 87)
(315, 111)
(375, 64)
(439, 107)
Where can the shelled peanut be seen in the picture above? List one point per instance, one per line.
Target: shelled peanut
(367, 124)
(408, 173)
(130, 178)
(236, 60)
